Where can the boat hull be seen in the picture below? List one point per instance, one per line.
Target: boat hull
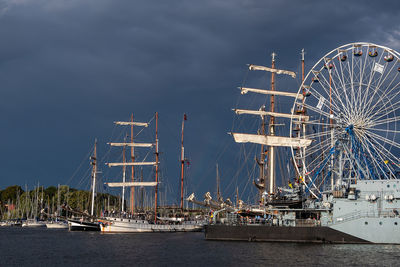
(77, 225)
(312, 234)
(33, 224)
(134, 226)
(56, 225)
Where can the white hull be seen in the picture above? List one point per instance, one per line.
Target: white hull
(77, 225)
(33, 224)
(117, 225)
(57, 225)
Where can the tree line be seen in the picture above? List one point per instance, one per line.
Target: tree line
(40, 202)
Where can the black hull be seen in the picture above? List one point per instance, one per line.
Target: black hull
(315, 234)
(76, 225)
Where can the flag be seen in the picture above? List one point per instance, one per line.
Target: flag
(320, 102)
(184, 117)
(378, 68)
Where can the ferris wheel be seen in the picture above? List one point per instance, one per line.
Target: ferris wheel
(350, 102)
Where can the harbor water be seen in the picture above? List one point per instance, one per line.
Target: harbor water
(58, 247)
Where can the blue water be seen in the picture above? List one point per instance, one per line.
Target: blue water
(56, 247)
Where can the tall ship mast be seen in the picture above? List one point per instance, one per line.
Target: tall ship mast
(183, 159)
(132, 184)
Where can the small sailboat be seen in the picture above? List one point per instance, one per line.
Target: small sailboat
(32, 221)
(57, 223)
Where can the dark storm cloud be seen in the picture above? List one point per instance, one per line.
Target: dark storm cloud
(68, 69)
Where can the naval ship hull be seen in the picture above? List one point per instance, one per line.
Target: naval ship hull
(266, 233)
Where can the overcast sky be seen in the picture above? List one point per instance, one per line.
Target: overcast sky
(68, 69)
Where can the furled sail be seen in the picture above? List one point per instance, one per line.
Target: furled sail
(144, 124)
(245, 90)
(132, 184)
(130, 164)
(255, 67)
(271, 140)
(268, 113)
(132, 144)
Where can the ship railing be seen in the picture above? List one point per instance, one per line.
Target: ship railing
(364, 214)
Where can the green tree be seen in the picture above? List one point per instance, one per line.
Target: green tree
(11, 193)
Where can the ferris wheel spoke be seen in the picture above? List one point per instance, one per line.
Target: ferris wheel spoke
(377, 114)
(337, 85)
(316, 135)
(319, 111)
(389, 155)
(366, 94)
(329, 88)
(321, 149)
(381, 130)
(362, 64)
(344, 82)
(387, 73)
(375, 162)
(384, 139)
(388, 92)
(377, 88)
(353, 82)
(384, 121)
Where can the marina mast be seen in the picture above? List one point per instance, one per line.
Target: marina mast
(182, 160)
(94, 171)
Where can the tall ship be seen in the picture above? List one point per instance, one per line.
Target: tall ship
(344, 152)
(139, 222)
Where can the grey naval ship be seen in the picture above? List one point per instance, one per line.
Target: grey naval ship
(344, 184)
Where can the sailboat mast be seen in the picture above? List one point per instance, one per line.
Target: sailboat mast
(94, 171)
(132, 170)
(302, 66)
(271, 156)
(156, 188)
(58, 200)
(218, 192)
(123, 180)
(141, 191)
(182, 160)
